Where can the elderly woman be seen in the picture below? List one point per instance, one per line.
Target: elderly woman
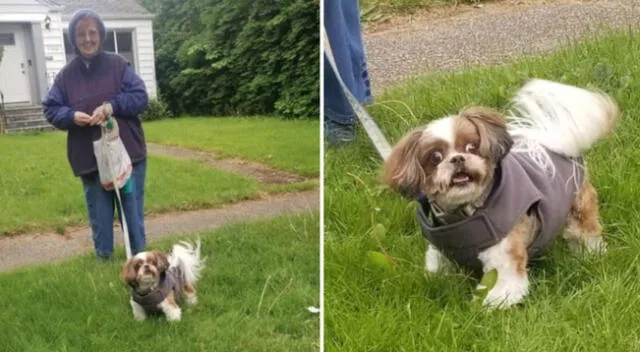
(94, 85)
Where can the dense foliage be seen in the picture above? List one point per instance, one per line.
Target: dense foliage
(222, 57)
(157, 110)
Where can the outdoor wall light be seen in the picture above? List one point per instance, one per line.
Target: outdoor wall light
(47, 23)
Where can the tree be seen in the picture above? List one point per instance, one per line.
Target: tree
(226, 57)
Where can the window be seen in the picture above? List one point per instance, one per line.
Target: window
(7, 39)
(119, 41)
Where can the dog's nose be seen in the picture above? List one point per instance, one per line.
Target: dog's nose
(458, 159)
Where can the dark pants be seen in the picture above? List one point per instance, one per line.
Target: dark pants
(101, 204)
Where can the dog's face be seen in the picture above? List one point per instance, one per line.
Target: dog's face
(143, 271)
(451, 160)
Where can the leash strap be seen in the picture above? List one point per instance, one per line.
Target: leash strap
(373, 131)
(125, 229)
(116, 188)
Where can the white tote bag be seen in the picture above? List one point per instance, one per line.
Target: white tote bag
(114, 163)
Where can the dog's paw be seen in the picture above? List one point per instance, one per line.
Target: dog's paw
(138, 312)
(191, 299)
(595, 245)
(173, 315)
(433, 260)
(587, 245)
(506, 293)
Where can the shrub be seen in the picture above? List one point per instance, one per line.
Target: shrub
(222, 57)
(156, 110)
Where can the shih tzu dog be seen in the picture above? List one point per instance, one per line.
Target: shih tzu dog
(493, 194)
(157, 280)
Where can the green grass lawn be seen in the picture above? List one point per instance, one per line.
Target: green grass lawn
(575, 304)
(253, 295)
(39, 191)
(291, 145)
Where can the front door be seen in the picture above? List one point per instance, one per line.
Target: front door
(14, 69)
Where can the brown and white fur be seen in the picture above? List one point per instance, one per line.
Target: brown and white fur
(143, 271)
(452, 161)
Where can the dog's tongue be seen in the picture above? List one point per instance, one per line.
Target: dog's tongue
(460, 178)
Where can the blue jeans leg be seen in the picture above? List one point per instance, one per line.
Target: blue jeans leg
(133, 204)
(100, 206)
(342, 22)
(100, 211)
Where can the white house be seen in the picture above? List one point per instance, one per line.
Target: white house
(33, 35)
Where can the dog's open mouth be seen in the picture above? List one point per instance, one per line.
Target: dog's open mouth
(461, 178)
(147, 279)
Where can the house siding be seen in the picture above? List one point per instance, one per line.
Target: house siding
(53, 39)
(18, 9)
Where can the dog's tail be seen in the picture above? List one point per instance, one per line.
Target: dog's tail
(565, 119)
(186, 256)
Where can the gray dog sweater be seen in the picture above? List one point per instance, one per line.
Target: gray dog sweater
(520, 187)
(170, 280)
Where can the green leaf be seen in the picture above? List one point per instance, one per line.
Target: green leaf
(487, 282)
(380, 230)
(379, 260)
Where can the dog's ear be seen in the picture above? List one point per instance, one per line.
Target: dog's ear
(162, 262)
(495, 141)
(129, 273)
(403, 171)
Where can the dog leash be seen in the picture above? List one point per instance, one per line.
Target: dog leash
(373, 131)
(125, 229)
(116, 187)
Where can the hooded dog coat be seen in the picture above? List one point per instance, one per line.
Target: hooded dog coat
(170, 281)
(521, 186)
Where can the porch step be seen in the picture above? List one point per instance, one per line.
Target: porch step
(26, 118)
(28, 125)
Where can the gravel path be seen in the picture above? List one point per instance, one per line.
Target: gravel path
(24, 250)
(491, 34)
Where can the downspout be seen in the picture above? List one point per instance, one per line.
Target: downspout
(3, 116)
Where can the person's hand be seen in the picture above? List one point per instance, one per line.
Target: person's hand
(99, 115)
(81, 119)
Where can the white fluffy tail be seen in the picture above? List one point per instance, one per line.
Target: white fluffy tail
(566, 119)
(186, 256)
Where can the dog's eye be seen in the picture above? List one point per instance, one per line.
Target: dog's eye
(435, 157)
(470, 148)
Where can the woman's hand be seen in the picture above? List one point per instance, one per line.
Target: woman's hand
(81, 119)
(100, 114)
